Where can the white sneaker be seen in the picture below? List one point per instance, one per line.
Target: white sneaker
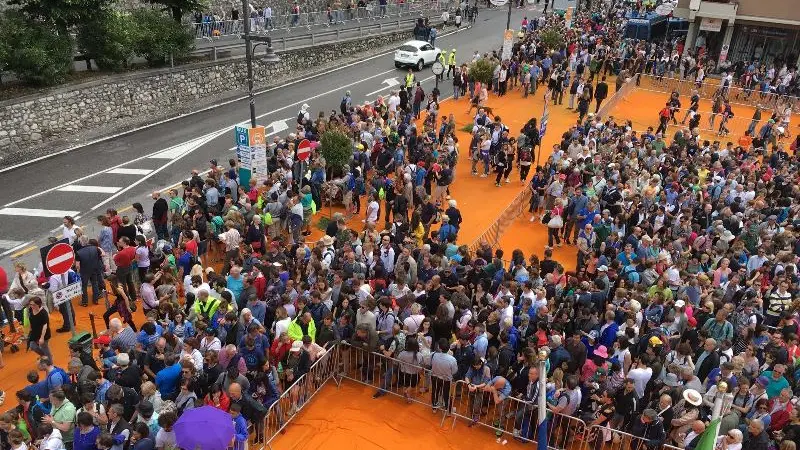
(533, 218)
(508, 181)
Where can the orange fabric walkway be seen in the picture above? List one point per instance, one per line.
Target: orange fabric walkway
(348, 418)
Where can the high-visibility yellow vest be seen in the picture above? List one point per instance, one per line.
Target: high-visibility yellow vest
(409, 80)
(452, 58)
(441, 58)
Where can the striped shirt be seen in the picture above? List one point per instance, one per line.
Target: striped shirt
(124, 341)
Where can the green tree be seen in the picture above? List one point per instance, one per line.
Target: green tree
(61, 14)
(108, 40)
(177, 8)
(336, 147)
(482, 70)
(156, 37)
(551, 38)
(37, 54)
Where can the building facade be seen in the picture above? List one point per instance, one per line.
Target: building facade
(765, 31)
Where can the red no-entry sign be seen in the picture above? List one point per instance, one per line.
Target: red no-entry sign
(60, 259)
(303, 150)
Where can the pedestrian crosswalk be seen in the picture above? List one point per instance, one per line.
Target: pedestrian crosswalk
(84, 188)
(129, 171)
(34, 212)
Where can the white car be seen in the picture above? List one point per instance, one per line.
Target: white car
(417, 54)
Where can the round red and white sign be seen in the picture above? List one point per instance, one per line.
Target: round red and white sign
(60, 258)
(304, 150)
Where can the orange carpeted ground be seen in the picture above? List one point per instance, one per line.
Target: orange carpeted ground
(348, 418)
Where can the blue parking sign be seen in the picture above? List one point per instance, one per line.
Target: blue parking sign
(241, 135)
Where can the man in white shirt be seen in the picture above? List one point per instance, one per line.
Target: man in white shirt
(641, 374)
(393, 102)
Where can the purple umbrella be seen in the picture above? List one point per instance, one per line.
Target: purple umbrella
(205, 428)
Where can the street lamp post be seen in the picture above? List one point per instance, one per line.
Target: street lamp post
(508, 20)
(248, 55)
(269, 57)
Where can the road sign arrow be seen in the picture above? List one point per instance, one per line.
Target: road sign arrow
(278, 126)
(389, 82)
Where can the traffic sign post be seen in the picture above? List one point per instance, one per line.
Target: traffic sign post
(58, 259)
(304, 150)
(438, 69)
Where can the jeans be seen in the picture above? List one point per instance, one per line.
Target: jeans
(552, 233)
(41, 350)
(440, 389)
(456, 92)
(125, 276)
(67, 311)
(8, 312)
(162, 233)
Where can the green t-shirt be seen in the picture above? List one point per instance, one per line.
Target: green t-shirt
(65, 414)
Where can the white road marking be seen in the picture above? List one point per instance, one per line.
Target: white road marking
(6, 244)
(36, 212)
(14, 249)
(209, 108)
(176, 151)
(127, 171)
(86, 188)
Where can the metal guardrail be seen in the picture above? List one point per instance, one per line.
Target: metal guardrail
(711, 87)
(309, 20)
(495, 231)
(288, 42)
(510, 416)
(298, 394)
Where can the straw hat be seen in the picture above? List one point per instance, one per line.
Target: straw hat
(693, 397)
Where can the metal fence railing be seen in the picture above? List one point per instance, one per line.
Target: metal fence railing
(383, 373)
(495, 231)
(513, 416)
(313, 19)
(710, 87)
(508, 416)
(297, 395)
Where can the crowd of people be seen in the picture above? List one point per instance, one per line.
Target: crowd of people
(685, 275)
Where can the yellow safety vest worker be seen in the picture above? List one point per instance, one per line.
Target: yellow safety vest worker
(441, 59)
(409, 80)
(452, 58)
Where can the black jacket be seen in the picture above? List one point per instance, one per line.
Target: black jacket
(652, 432)
(710, 363)
(601, 91)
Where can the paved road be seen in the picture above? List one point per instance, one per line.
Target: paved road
(126, 168)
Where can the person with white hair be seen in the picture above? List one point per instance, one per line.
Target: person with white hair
(454, 214)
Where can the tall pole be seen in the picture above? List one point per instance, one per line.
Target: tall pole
(248, 56)
(542, 404)
(508, 21)
(716, 411)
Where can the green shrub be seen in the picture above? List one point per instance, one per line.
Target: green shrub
(156, 36)
(34, 52)
(108, 40)
(551, 39)
(482, 70)
(336, 147)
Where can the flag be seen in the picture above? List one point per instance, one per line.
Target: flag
(543, 122)
(541, 435)
(709, 437)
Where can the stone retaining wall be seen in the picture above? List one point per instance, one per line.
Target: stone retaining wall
(34, 125)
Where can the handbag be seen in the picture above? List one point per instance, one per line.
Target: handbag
(546, 217)
(146, 228)
(555, 222)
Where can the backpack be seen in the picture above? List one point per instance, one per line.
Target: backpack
(57, 372)
(343, 105)
(300, 117)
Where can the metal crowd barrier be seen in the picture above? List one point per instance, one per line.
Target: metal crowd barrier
(495, 232)
(382, 373)
(710, 87)
(312, 19)
(606, 438)
(514, 417)
(295, 397)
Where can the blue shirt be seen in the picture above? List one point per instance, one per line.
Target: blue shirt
(240, 433)
(167, 379)
(87, 441)
(212, 196)
(236, 285)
